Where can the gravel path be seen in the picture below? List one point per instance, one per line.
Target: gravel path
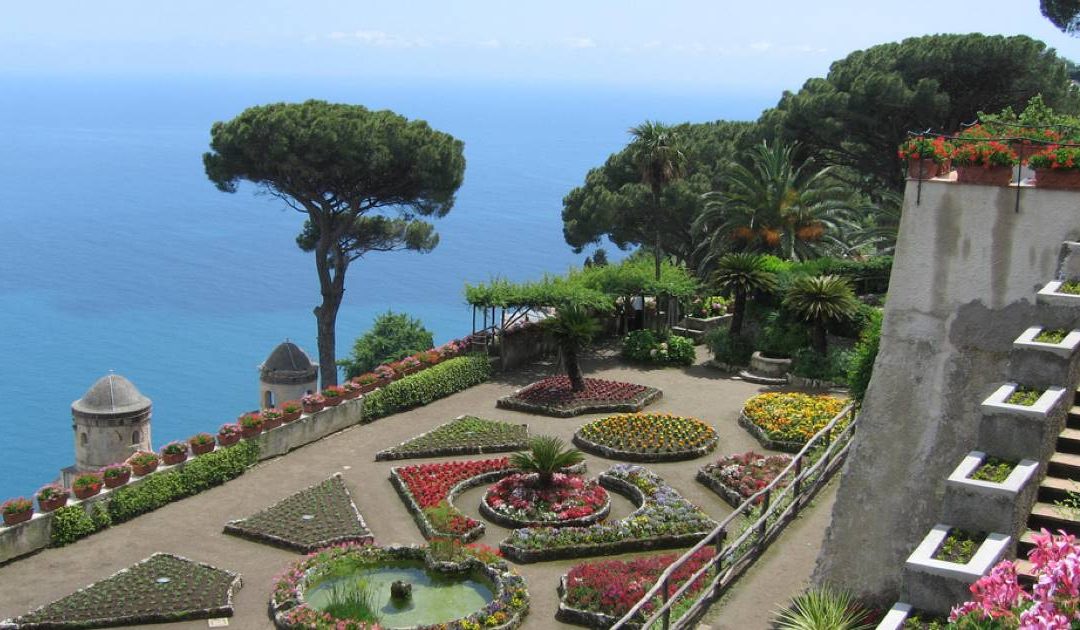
(193, 527)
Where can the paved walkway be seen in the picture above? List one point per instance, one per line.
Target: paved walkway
(193, 527)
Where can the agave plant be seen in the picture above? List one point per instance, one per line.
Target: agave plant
(823, 608)
(821, 300)
(546, 456)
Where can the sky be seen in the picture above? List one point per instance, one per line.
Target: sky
(704, 44)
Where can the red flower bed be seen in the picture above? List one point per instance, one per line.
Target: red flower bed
(612, 587)
(430, 485)
(556, 391)
(748, 472)
(520, 497)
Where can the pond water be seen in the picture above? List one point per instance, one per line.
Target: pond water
(435, 598)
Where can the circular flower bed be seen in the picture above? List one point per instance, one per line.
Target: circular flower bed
(738, 477)
(647, 437)
(520, 501)
(786, 421)
(552, 396)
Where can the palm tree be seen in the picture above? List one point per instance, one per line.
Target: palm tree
(742, 274)
(572, 328)
(546, 456)
(775, 207)
(656, 152)
(882, 224)
(821, 300)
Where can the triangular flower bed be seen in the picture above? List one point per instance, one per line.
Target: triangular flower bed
(315, 517)
(159, 589)
(553, 397)
(464, 435)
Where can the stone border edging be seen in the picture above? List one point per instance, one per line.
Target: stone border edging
(512, 523)
(769, 443)
(633, 405)
(364, 539)
(225, 610)
(732, 497)
(648, 458)
(637, 497)
(588, 618)
(388, 454)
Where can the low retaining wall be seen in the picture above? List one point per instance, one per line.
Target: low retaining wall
(766, 441)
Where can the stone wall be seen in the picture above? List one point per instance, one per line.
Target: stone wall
(962, 288)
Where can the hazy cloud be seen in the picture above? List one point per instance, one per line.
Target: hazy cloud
(580, 42)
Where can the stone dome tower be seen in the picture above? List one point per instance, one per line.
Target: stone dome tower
(111, 421)
(287, 374)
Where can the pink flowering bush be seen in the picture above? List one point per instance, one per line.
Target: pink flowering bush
(1052, 604)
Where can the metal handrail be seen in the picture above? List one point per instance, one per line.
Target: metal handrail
(770, 504)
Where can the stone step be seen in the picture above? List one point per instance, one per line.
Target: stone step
(746, 375)
(1072, 420)
(1069, 440)
(1057, 488)
(1054, 518)
(1064, 465)
(1025, 571)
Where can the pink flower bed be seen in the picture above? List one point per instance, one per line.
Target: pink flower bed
(569, 497)
(747, 473)
(556, 390)
(612, 587)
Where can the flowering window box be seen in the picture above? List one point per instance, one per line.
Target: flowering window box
(935, 586)
(1052, 295)
(989, 505)
(1017, 432)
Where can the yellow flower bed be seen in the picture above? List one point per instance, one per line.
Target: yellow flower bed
(792, 417)
(649, 432)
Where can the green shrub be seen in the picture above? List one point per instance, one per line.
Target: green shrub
(782, 338)
(69, 524)
(438, 381)
(728, 349)
(853, 327)
(392, 337)
(100, 516)
(643, 345)
(832, 367)
(862, 363)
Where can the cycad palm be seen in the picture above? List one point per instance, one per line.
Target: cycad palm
(774, 206)
(821, 300)
(572, 328)
(742, 274)
(656, 153)
(546, 456)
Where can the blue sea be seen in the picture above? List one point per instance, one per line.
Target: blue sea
(116, 253)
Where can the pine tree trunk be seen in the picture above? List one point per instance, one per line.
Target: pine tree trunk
(332, 288)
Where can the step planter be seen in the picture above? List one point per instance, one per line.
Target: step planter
(896, 616)
(974, 504)
(1019, 432)
(935, 586)
(1052, 295)
(1043, 364)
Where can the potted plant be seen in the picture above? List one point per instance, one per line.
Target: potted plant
(143, 463)
(385, 373)
(116, 475)
(251, 424)
(350, 390)
(980, 159)
(313, 403)
(367, 382)
(429, 358)
(927, 157)
(332, 396)
(52, 497)
(409, 365)
(174, 452)
(1057, 167)
(290, 410)
(201, 443)
(86, 485)
(229, 434)
(17, 511)
(271, 419)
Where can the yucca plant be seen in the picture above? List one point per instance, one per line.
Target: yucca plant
(821, 300)
(546, 456)
(572, 328)
(823, 608)
(742, 274)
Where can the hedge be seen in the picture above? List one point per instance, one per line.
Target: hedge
(416, 390)
(205, 471)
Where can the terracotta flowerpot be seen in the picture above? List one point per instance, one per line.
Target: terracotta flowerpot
(18, 517)
(413, 370)
(985, 175)
(116, 482)
(202, 449)
(368, 388)
(1057, 178)
(142, 471)
(250, 432)
(228, 440)
(333, 401)
(314, 407)
(923, 169)
(54, 503)
(290, 417)
(349, 394)
(271, 424)
(86, 492)
(173, 458)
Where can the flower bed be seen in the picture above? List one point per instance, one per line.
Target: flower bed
(785, 421)
(518, 501)
(316, 517)
(738, 477)
(428, 491)
(597, 594)
(290, 611)
(465, 435)
(162, 588)
(647, 437)
(553, 397)
(663, 520)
